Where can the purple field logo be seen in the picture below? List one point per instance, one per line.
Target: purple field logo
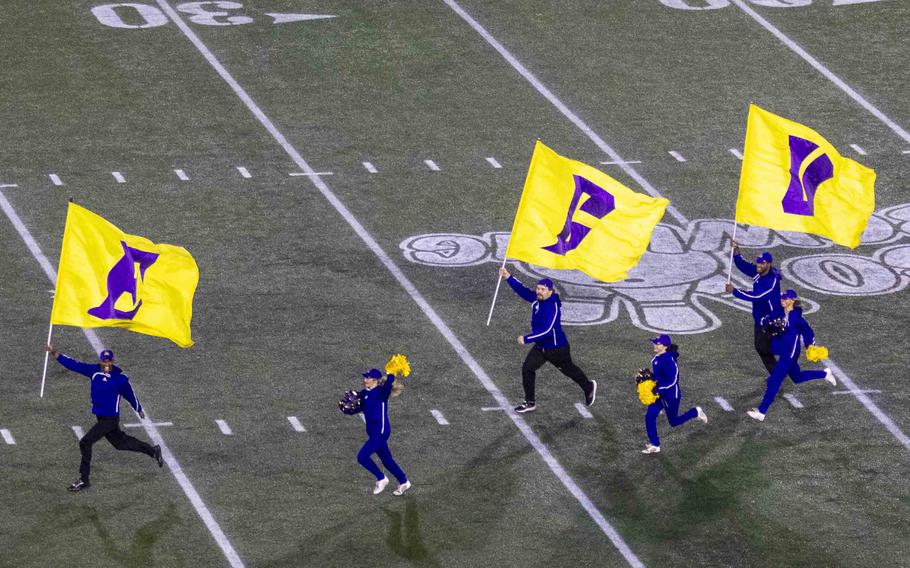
(599, 205)
(800, 196)
(121, 280)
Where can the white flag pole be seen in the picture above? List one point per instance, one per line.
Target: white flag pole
(50, 330)
(496, 293)
(730, 268)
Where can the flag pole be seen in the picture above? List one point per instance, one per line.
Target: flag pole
(496, 293)
(50, 330)
(730, 268)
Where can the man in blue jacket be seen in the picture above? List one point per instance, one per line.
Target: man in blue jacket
(764, 297)
(550, 342)
(108, 385)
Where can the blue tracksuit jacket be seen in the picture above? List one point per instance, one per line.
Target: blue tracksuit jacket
(546, 315)
(106, 389)
(375, 407)
(787, 344)
(765, 294)
(666, 373)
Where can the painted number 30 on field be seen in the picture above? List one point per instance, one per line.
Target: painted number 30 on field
(132, 16)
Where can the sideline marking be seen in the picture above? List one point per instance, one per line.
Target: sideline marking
(7, 437)
(558, 470)
(677, 156)
(295, 424)
(150, 428)
(494, 163)
(722, 402)
(182, 175)
(245, 173)
(55, 179)
(793, 400)
(140, 424)
(119, 177)
(583, 411)
(370, 167)
(736, 153)
(223, 426)
(869, 391)
(77, 430)
(858, 149)
(439, 417)
(432, 165)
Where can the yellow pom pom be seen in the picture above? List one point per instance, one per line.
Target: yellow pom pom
(816, 353)
(646, 392)
(398, 365)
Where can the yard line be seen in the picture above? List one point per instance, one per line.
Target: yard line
(223, 426)
(77, 430)
(295, 424)
(244, 173)
(182, 175)
(370, 167)
(439, 417)
(490, 408)
(793, 400)
(140, 424)
(585, 413)
(886, 421)
(150, 428)
(558, 470)
(677, 156)
(7, 437)
(906, 152)
(494, 163)
(736, 153)
(2, 185)
(618, 163)
(858, 149)
(55, 179)
(868, 391)
(308, 174)
(119, 177)
(843, 86)
(432, 165)
(722, 402)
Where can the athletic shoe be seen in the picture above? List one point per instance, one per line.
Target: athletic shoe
(829, 376)
(754, 413)
(380, 485)
(402, 488)
(525, 407)
(651, 449)
(157, 456)
(590, 396)
(701, 414)
(79, 485)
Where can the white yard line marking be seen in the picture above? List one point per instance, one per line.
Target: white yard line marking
(2, 185)
(309, 174)
(722, 402)
(439, 417)
(492, 408)
(585, 413)
(77, 430)
(793, 400)
(858, 149)
(736, 153)
(182, 175)
(244, 173)
(7, 437)
(886, 421)
(55, 179)
(823, 70)
(370, 167)
(223, 426)
(618, 163)
(432, 165)
(150, 429)
(119, 177)
(295, 424)
(558, 470)
(677, 156)
(906, 152)
(868, 391)
(141, 425)
(494, 163)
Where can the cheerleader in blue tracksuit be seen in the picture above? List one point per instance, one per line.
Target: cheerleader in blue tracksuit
(374, 399)
(666, 374)
(786, 347)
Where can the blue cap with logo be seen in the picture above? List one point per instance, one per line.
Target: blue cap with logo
(106, 355)
(788, 295)
(764, 257)
(662, 340)
(545, 282)
(373, 374)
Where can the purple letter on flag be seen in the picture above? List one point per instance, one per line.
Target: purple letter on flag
(599, 205)
(820, 170)
(122, 279)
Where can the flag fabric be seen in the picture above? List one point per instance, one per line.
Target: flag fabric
(107, 278)
(794, 180)
(573, 216)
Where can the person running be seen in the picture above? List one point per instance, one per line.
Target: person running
(108, 385)
(374, 399)
(550, 342)
(763, 297)
(786, 347)
(666, 375)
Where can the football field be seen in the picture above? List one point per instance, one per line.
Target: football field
(346, 175)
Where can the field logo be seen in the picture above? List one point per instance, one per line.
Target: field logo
(123, 279)
(800, 196)
(599, 205)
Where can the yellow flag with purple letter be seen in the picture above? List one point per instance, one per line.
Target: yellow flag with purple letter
(107, 278)
(573, 216)
(793, 180)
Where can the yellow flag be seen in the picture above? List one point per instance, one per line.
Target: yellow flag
(572, 216)
(107, 278)
(794, 180)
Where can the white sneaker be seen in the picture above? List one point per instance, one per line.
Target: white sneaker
(701, 414)
(402, 488)
(651, 449)
(380, 485)
(754, 413)
(829, 376)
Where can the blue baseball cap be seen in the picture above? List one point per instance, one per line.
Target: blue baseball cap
(106, 355)
(373, 374)
(662, 340)
(545, 282)
(764, 257)
(788, 295)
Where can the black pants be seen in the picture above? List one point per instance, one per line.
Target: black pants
(763, 348)
(561, 358)
(108, 427)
